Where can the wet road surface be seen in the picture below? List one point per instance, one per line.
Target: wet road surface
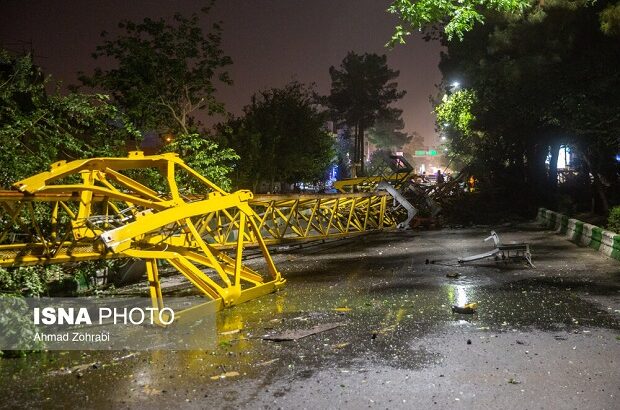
(547, 337)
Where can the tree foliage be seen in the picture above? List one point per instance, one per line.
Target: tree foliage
(344, 151)
(164, 72)
(38, 128)
(281, 137)
(362, 90)
(417, 142)
(164, 75)
(534, 84)
(610, 20)
(387, 133)
(456, 16)
(456, 110)
(205, 157)
(613, 221)
(455, 119)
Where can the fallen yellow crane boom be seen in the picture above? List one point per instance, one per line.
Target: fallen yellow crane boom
(87, 209)
(369, 184)
(97, 209)
(303, 217)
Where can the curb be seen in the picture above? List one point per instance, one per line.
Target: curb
(606, 242)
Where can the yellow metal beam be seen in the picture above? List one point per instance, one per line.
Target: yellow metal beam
(369, 184)
(93, 209)
(96, 209)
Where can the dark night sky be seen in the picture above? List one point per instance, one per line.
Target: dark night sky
(270, 41)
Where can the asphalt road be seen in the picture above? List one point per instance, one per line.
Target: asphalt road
(545, 337)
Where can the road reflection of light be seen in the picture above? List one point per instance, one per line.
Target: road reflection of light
(461, 296)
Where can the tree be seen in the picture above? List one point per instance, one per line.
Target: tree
(460, 16)
(344, 149)
(535, 84)
(165, 72)
(454, 114)
(361, 92)
(456, 16)
(387, 131)
(207, 158)
(281, 137)
(38, 128)
(610, 20)
(417, 142)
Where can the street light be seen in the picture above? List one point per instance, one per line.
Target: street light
(451, 89)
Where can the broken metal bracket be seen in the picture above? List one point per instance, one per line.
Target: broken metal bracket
(520, 250)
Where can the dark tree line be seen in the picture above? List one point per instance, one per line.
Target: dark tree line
(39, 127)
(281, 137)
(159, 77)
(531, 85)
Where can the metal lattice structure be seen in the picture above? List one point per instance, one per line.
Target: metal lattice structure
(93, 209)
(395, 170)
(96, 209)
(415, 190)
(295, 218)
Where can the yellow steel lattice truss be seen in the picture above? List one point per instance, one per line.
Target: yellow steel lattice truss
(369, 183)
(96, 209)
(305, 217)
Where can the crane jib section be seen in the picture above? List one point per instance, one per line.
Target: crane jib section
(102, 208)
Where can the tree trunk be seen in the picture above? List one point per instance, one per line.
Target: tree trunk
(354, 170)
(360, 138)
(255, 181)
(599, 188)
